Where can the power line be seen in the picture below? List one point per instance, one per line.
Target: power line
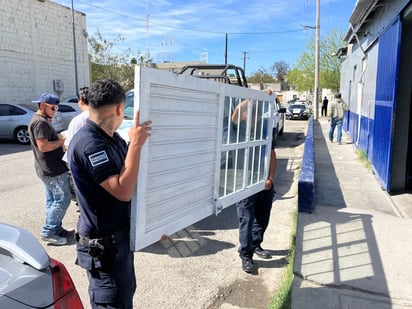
(188, 28)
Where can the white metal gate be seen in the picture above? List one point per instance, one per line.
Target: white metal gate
(210, 147)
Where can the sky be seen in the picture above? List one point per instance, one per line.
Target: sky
(260, 32)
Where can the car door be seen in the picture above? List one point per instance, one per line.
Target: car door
(67, 113)
(10, 118)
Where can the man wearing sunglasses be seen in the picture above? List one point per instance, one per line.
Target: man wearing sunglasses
(50, 168)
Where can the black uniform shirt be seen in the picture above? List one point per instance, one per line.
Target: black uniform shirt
(94, 156)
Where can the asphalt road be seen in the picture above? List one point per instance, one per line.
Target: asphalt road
(198, 267)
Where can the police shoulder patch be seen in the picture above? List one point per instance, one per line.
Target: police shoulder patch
(98, 158)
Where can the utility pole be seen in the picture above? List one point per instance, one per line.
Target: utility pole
(147, 34)
(244, 60)
(76, 79)
(317, 60)
(226, 49)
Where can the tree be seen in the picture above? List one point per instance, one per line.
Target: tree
(280, 69)
(108, 62)
(330, 64)
(260, 76)
(302, 75)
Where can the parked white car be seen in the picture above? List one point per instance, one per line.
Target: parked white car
(279, 123)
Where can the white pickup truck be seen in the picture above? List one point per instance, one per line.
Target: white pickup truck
(279, 120)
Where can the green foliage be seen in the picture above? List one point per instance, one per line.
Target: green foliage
(106, 61)
(283, 298)
(302, 75)
(261, 76)
(363, 157)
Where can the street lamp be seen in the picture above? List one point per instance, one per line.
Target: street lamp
(261, 75)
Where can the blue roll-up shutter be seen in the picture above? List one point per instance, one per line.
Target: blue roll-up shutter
(386, 85)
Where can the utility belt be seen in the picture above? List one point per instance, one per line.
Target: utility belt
(103, 248)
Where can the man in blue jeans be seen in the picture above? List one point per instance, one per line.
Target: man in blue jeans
(253, 212)
(48, 152)
(336, 111)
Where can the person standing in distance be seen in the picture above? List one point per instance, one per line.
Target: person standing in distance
(50, 168)
(325, 107)
(336, 112)
(105, 173)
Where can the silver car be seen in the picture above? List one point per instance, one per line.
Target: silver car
(68, 112)
(69, 108)
(29, 278)
(15, 119)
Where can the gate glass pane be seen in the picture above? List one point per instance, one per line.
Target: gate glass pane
(243, 156)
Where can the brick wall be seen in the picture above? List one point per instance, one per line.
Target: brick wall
(36, 47)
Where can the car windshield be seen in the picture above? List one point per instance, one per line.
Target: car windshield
(129, 106)
(302, 106)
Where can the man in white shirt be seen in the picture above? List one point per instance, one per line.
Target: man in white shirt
(79, 121)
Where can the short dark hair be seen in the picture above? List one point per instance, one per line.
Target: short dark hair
(337, 95)
(105, 92)
(83, 93)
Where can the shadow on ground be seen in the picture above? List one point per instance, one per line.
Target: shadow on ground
(7, 148)
(335, 248)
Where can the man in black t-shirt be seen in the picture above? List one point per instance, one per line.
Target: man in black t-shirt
(105, 171)
(48, 153)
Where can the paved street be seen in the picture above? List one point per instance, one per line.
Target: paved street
(197, 267)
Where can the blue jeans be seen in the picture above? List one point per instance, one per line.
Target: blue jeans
(253, 214)
(58, 199)
(336, 122)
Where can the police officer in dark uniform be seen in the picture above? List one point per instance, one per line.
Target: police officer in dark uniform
(254, 211)
(105, 173)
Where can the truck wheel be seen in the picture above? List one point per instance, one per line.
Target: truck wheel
(275, 136)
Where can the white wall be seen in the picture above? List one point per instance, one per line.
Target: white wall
(36, 47)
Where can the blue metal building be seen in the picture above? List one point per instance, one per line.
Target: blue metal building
(376, 83)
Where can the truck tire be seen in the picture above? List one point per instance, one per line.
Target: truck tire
(275, 136)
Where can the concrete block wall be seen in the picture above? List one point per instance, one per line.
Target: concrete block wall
(36, 47)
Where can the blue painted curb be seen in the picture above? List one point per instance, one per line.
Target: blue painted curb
(306, 182)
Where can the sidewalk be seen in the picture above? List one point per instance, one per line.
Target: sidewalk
(354, 251)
